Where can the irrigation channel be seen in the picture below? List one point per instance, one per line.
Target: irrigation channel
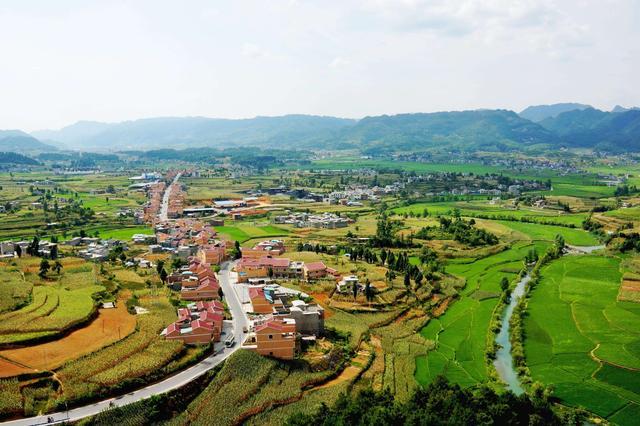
(504, 360)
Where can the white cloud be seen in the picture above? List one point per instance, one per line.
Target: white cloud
(254, 51)
(339, 62)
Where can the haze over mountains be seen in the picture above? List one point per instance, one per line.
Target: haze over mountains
(537, 127)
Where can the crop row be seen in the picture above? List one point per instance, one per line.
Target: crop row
(10, 396)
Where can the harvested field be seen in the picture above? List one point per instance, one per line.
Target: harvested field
(629, 290)
(110, 325)
(10, 369)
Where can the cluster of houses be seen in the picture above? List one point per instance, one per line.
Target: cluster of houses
(309, 220)
(189, 237)
(198, 323)
(259, 269)
(195, 281)
(151, 209)
(354, 195)
(94, 249)
(9, 249)
(281, 321)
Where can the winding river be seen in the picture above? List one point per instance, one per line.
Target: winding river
(504, 360)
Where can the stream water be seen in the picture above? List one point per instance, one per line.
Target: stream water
(504, 360)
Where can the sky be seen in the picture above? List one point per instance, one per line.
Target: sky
(63, 61)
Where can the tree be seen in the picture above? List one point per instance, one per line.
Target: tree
(54, 252)
(383, 256)
(504, 284)
(407, 281)
(163, 276)
(57, 266)
(44, 268)
(237, 251)
(160, 266)
(368, 291)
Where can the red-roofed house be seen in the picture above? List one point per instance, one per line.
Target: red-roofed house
(207, 289)
(276, 338)
(314, 270)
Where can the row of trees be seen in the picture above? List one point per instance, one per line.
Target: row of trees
(441, 403)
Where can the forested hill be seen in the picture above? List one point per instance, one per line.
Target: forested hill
(613, 131)
(491, 130)
(487, 130)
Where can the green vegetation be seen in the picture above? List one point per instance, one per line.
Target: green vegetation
(461, 334)
(247, 385)
(439, 403)
(579, 338)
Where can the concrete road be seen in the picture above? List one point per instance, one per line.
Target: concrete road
(164, 208)
(176, 381)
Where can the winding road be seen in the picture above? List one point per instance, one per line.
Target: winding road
(236, 325)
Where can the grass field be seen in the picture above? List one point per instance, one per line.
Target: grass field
(243, 232)
(532, 231)
(461, 333)
(579, 338)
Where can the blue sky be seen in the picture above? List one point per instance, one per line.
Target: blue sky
(63, 61)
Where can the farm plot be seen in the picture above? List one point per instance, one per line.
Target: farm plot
(244, 232)
(109, 326)
(460, 335)
(533, 231)
(581, 339)
(53, 310)
(14, 290)
(247, 385)
(140, 354)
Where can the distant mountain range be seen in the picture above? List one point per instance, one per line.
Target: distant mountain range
(536, 128)
(537, 113)
(19, 141)
(188, 132)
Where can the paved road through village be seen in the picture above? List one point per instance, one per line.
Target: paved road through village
(236, 326)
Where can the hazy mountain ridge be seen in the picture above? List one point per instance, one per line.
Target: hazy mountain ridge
(489, 130)
(19, 141)
(537, 113)
(616, 131)
(187, 132)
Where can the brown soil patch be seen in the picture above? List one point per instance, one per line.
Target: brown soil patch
(349, 373)
(109, 326)
(9, 369)
(323, 300)
(630, 285)
(442, 307)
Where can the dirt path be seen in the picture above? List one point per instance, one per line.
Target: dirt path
(109, 326)
(350, 372)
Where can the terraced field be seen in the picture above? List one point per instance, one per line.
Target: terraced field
(460, 334)
(584, 341)
(53, 310)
